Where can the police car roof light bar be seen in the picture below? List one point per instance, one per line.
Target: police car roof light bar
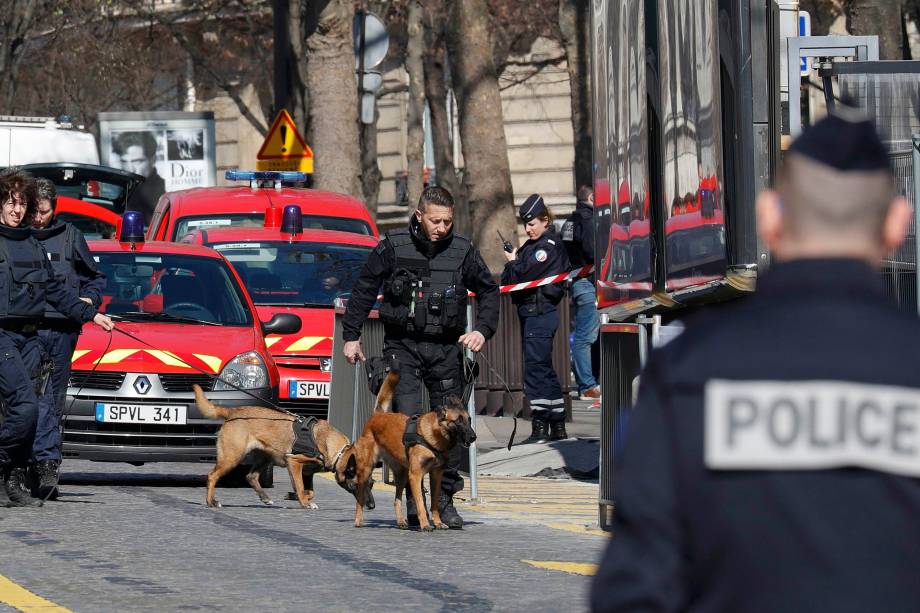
(258, 178)
(292, 220)
(132, 228)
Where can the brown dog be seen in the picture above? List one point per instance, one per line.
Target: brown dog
(269, 434)
(439, 430)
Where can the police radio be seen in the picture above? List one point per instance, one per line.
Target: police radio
(506, 245)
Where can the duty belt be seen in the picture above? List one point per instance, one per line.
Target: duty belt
(24, 327)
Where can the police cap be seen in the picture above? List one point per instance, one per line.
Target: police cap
(532, 207)
(845, 140)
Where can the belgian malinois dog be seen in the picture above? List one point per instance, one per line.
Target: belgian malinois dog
(269, 435)
(439, 430)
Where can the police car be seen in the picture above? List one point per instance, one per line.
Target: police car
(92, 198)
(183, 317)
(179, 213)
(290, 269)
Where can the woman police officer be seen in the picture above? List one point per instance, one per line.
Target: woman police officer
(27, 281)
(542, 255)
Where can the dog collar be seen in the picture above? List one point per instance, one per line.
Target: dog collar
(338, 456)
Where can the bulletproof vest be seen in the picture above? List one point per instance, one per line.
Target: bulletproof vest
(571, 235)
(23, 277)
(426, 296)
(58, 241)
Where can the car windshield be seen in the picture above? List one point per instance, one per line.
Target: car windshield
(282, 273)
(166, 287)
(184, 225)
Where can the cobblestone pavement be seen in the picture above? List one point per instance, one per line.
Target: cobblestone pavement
(140, 539)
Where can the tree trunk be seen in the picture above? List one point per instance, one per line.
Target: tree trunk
(573, 22)
(436, 92)
(486, 176)
(881, 17)
(298, 96)
(16, 21)
(333, 112)
(371, 175)
(415, 145)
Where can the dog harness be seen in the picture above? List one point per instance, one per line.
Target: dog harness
(411, 437)
(304, 441)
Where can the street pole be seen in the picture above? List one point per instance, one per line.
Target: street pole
(282, 51)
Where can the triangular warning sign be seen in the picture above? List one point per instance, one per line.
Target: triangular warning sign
(284, 148)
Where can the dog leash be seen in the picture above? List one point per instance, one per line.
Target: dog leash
(468, 371)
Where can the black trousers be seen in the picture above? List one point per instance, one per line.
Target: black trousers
(20, 360)
(58, 343)
(439, 367)
(541, 385)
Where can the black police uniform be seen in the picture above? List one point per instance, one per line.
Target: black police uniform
(71, 259)
(539, 316)
(578, 235)
(772, 461)
(425, 287)
(27, 282)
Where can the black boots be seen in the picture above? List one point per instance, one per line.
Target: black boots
(449, 514)
(45, 479)
(411, 511)
(17, 492)
(557, 431)
(539, 431)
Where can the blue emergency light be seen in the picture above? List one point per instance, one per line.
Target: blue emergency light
(132, 227)
(284, 176)
(291, 220)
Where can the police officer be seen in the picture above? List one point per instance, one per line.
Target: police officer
(578, 238)
(70, 258)
(542, 255)
(27, 281)
(425, 271)
(773, 458)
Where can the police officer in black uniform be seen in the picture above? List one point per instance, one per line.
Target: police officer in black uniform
(542, 255)
(773, 458)
(425, 271)
(70, 257)
(27, 281)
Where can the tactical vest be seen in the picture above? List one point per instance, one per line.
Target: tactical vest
(425, 297)
(23, 277)
(58, 241)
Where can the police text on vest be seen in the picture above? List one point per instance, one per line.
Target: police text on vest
(807, 425)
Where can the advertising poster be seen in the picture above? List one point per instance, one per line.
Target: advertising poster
(174, 150)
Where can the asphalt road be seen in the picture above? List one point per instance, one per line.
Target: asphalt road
(140, 539)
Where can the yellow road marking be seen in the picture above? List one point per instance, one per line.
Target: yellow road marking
(212, 361)
(575, 568)
(20, 598)
(579, 529)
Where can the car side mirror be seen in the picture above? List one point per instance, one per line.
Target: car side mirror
(282, 323)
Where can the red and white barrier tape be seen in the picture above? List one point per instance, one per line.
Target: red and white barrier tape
(584, 271)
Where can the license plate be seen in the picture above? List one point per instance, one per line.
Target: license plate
(308, 389)
(140, 413)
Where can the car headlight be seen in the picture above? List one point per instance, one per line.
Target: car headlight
(325, 364)
(246, 371)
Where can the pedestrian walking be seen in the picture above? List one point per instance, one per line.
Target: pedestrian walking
(71, 259)
(424, 271)
(773, 457)
(542, 255)
(27, 282)
(578, 238)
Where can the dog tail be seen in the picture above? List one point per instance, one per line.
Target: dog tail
(385, 395)
(208, 408)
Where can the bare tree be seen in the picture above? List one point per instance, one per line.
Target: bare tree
(487, 176)
(880, 17)
(333, 97)
(17, 22)
(573, 18)
(415, 143)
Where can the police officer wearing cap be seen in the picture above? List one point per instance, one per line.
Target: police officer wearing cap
(27, 282)
(773, 458)
(424, 271)
(71, 259)
(542, 255)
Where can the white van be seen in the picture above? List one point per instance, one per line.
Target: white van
(30, 140)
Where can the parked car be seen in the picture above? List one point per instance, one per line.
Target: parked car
(27, 140)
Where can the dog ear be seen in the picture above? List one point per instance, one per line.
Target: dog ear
(351, 468)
